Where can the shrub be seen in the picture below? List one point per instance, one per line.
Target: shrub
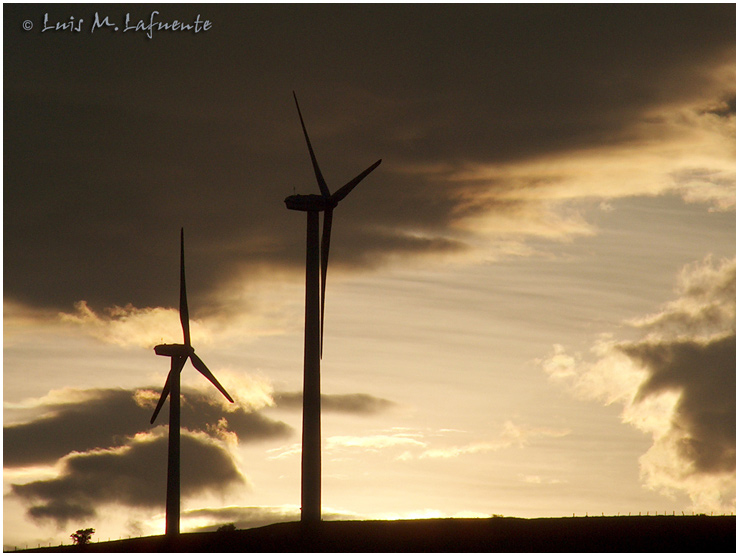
(82, 536)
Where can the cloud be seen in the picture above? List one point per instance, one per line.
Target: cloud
(254, 516)
(522, 112)
(411, 445)
(368, 443)
(83, 420)
(133, 475)
(361, 443)
(703, 372)
(255, 311)
(533, 198)
(512, 435)
(284, 451)
(241, 517)
(362, 404)
(538, 480)
(456, 451)
(677, 382)
(73, 420)
(128, 325)
(706, 305)
(372, 442)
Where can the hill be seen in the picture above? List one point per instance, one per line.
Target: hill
(498, 534)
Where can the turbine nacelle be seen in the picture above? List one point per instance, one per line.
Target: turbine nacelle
(174, 350)
(308, 203)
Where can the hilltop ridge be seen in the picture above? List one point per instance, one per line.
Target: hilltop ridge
(497, 534)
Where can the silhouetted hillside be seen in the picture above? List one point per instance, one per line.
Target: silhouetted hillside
(500, 534)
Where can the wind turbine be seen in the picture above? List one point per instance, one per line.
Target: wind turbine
(310, 495)
(179, 353)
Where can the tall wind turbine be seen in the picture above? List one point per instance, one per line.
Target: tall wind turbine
(315, 297)
(179, 353)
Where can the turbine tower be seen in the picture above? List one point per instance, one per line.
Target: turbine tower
(179, 353)
(316, 267)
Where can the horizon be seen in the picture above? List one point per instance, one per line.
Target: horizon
(531, 305)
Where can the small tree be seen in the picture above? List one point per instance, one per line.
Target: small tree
(226, 527)
(82, 536)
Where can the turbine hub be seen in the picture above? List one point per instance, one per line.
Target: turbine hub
(174, 350)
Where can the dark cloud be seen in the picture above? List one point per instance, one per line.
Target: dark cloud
(255, 516)
(201, 413)
(103, 166)
(243, 517)
(103, 418)
(342, 403)
(60, 511)
(133, 475)
(677, 382)
(704, 372)
(724, 109)
(94, 435)
(690, 348)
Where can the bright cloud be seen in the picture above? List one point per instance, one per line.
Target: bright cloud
(511, 435)
(688, 150)
(260, 311)
(538, 480)
(413, 445)
(131, 326)
(372, 442)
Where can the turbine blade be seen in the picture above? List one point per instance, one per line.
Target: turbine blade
(321, 182)
(177, 364)
(345, 189)
(325, 244)
(200, 366)
(184, 313)
(165, 393)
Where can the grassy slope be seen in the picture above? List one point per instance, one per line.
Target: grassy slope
(580, 534)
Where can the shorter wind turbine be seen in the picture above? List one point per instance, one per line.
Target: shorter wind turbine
(179, 353)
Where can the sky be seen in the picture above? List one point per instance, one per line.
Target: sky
(530, 308)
